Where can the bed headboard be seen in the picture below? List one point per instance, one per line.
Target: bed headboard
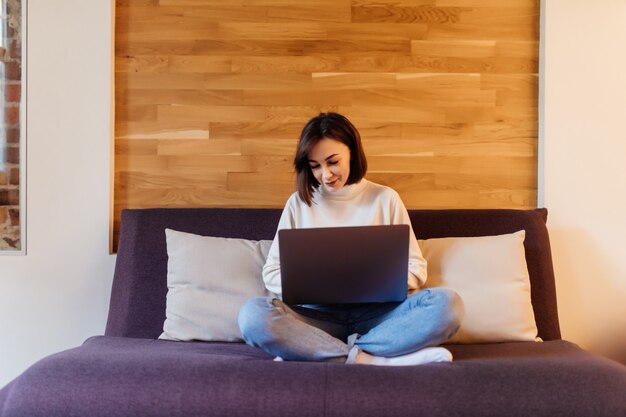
(138, 296)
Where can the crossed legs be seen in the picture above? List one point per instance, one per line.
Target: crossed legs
(378, 335)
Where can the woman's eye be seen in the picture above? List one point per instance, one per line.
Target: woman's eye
(314, 166)
(332, 162)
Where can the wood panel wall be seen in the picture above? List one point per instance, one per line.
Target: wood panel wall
(210, 96)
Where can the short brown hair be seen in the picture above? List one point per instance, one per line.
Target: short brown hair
(333, 126)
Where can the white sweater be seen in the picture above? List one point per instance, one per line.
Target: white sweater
(361, 204)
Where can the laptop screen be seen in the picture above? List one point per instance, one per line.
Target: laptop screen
(343, 265)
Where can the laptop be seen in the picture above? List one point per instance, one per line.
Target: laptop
(344, 265)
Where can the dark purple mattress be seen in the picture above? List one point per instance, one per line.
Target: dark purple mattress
(129, 373)
(112, 376)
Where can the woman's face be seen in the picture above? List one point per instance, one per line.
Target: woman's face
(329, 161)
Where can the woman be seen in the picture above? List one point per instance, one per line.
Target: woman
(332, 191)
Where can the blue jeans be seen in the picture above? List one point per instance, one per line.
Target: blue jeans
(330, 332)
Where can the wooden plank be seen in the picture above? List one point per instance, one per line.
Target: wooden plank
(166, 81)
(437, 131)
(454, 48)
(495, 65)
(264, 47)
(311, 4)
(285, 64)
(182, 147)
(335, 11)
(209, 163)
(479, 183)
(489, 3)
(476, 30)
(163, 47)
(135, 147)
(297, 114)
(274, 167)
(376, 31)
(220, 12)
(350, 81)
(142, 113)
(281, 81)
(142, 63)
(202, 197)
(174, 29)
(180, 97)
(300, 97)
(525, 49)
(512, 140)
(500, 144)
(469, 114)
(274, 130)
(486, 165)
(425, 98)
(276, 147)
(273, 31)
(201, 3)
(510, 82)
(438, 81)
(391, 63)
(262, 183)
(172, 113)
(524, 199)
(140, 163)
(176, 129)
(397, 12)
(359, 115)
(199, 64)
(135, 3)
(168, 179)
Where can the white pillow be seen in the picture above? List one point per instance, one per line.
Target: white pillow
(491, 276)
(208, 279)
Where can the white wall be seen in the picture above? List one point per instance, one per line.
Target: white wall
(57, 295)
(585, 166)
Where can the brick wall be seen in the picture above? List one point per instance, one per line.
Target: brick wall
(11, 96)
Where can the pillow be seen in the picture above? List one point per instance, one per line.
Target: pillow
(208, 279)
(491, 276)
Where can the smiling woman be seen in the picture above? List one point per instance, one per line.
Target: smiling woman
(11, 128)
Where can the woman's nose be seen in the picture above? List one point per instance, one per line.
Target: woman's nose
(326, 172)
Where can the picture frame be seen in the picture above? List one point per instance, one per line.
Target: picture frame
(13, 127)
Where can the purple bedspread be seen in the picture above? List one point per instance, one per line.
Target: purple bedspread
(111, 377)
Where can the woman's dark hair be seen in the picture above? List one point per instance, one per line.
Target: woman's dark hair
(332, 126)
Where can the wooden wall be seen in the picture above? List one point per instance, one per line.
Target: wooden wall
(210, 96)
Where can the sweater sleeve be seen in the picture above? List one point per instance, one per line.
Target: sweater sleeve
(417, 263)
(271, 269)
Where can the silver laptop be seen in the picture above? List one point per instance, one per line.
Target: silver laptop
(344, 265)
